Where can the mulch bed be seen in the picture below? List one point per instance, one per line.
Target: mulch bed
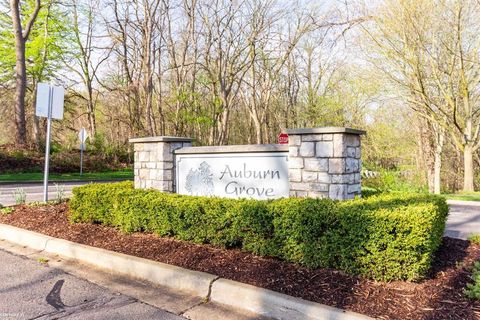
(440, 296)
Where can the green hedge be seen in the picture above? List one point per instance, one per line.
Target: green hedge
(473, 289)
(384, 237)
(368, 192)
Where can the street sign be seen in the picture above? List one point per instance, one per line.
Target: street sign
(43, 100)
(283, 138)
(82, 135)
(49, 105)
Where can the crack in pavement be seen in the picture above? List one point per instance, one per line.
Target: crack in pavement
(204, 301)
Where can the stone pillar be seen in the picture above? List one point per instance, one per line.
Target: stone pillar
(154, 165)
(325, 162)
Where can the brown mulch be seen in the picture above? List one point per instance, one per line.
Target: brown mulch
(440, 296)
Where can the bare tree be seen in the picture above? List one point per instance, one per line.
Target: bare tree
(433, 56)
(203, 68)
(88, 55)
(224, 61)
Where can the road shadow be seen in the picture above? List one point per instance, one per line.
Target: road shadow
(53, 297)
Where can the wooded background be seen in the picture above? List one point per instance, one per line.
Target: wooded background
(236, 72)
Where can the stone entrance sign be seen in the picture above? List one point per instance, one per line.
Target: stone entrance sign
(316, 162)
(238, 175)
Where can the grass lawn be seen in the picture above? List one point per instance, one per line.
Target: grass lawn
(38, 176)
(465, 196)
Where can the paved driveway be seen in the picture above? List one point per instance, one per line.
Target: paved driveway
(32, 290)
(464, 219)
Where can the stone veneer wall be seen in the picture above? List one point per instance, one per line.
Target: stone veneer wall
(322, 162)
(325, 162)
(154, 166)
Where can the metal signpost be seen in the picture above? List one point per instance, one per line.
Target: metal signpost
(50, 106)
(82, 135)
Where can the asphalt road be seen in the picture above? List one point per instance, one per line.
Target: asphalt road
(34, 191)
(463, 220)
(32, 290)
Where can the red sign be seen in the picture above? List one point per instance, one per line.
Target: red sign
(283, 138)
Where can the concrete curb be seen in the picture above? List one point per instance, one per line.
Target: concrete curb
(197, 283)
(273, 304)
(24, 237)
(227, 292)
(163, 274)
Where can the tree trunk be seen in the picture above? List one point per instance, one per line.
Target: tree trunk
(257, 126)
(431, 180)
(468, 172)
(437, 162)
(20, 76)
(37, 135)
(91, 120)
(91, 110)
(426, 152)
(437, 171)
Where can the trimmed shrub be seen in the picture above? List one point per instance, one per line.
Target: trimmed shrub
(474, 238)
(383, 237)
(368, 192)
(473, 289)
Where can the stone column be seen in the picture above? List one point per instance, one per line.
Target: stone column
(325, 162)
(154, 165)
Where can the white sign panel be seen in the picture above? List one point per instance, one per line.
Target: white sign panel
(83, 135)
(43, 100)
(233, 175)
